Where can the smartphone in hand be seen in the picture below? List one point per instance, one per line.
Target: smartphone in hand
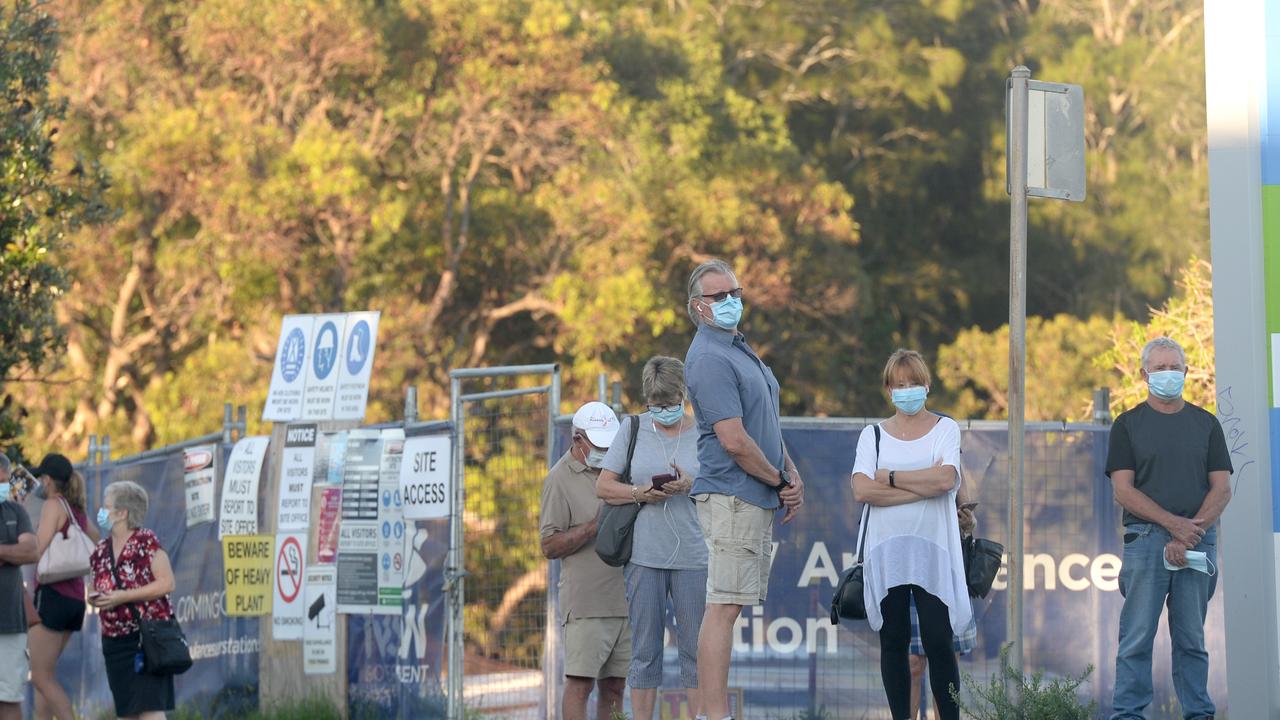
(661, 480)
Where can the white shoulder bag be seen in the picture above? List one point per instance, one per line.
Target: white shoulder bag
(67, 556)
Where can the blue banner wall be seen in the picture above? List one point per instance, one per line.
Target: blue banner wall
(788, 659)
(394, 662)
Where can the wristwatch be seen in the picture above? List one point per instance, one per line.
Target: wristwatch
(784, 480)
(891, 483)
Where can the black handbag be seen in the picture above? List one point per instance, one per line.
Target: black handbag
(982, 560)
(162, 646)
(616, 523)
(848, 602)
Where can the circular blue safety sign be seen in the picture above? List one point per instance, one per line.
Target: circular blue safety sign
(358, 348)
(326, 355)
(386, 529)
(386, 498)
(399, 529)
(292, 355)
(386, 561)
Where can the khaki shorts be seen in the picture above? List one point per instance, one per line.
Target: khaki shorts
(13, 655)
(740, 545)
(597, 647)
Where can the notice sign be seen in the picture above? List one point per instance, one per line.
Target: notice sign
(198, 476)
(391, 553)
(240, 487)
(358, 536)
(287, 610)
(319, 630)
(327, 533)
(356, 365)
(295, 478)
(424, 477)
(246, 562)
(288, 376)
(322, 369)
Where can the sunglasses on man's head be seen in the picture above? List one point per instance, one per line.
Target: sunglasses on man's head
(720, 296)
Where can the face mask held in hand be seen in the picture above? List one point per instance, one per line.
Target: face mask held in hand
(909, 400)
(1196, 560)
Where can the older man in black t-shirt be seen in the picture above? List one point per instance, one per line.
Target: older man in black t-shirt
(1170, 467)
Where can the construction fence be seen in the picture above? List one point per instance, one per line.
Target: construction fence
(479, 596)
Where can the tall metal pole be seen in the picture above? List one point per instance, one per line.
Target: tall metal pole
(454, 573)
(1018, 95)
(551, 650)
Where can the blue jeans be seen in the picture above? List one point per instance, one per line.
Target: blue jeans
(1147, 587)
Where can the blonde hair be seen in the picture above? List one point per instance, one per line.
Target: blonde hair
(910, 363)
(662, 379)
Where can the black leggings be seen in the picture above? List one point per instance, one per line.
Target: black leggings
(895, 642)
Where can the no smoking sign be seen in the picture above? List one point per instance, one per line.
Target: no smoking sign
(289, 569)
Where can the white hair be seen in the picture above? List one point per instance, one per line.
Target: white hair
(715, 266)
(132, 499)
(1164, 343)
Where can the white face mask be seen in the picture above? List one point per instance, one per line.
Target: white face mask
(1196, 560)
(595, 458)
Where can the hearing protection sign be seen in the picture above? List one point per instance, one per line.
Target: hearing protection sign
(247, 566)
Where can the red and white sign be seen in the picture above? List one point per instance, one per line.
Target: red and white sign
(327, 540)
(287, 612)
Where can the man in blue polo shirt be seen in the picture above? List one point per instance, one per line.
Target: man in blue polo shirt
(745, 472)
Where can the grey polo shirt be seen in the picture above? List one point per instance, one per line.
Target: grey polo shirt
(727, 380)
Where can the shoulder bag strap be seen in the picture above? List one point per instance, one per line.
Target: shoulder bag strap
(866, 507)
(631, 448)
(111, 554)
(71, 518)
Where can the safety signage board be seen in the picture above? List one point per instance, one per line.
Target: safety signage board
(424, 477)
(287, 611)
(246, 563)
(198, 476)
(356, 366)
(391, 553)
(358, 535)
(288, 376)
(239, 515)
(296, 470)
(319, 630)
(322, 368)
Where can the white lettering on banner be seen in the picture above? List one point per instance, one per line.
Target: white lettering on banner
(234, 646)
(784, 635)
(1076, 572)
(425, 477)
(205, 606)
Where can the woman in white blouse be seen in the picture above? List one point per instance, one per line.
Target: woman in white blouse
(912, 545)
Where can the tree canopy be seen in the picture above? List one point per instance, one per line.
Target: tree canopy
(531, 180)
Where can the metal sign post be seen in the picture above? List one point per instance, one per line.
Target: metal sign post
(1045, 158)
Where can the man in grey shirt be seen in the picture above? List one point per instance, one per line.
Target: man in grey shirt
(17, 548)
(744, 472)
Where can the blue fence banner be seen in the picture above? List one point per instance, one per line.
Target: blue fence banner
(789, 660)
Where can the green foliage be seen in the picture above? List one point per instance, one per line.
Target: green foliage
(531, 181)
(41, 201)
(1061, 371)
(1009, 695)
(1187, 317)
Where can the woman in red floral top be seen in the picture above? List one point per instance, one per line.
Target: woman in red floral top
(131, 578)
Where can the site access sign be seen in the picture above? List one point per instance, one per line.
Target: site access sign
(323, 367)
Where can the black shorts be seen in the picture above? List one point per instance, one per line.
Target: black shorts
(58, 612)
(134, 693)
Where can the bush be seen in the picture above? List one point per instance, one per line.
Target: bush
(1034, 699)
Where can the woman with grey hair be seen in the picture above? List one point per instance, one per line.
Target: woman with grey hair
(668, 566)
(132, 579)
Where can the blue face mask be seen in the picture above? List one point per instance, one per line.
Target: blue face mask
(909, 400)
(1196, 560)
(667, 416)
(727, 313)
(5, 490)
(104, 518)
(1166, 384)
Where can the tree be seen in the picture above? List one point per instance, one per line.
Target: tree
(1187, 317)
(40, 203)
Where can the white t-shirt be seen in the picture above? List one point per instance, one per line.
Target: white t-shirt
(917, 543)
